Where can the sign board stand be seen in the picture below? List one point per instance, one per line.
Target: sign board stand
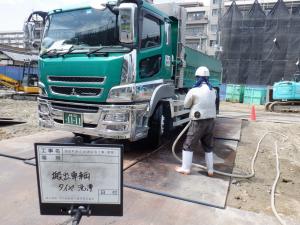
(80, 179)
(78, 213)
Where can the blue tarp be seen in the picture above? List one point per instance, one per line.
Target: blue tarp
(14, 72)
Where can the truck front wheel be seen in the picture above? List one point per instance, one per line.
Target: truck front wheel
(84, 137)
(156, 127)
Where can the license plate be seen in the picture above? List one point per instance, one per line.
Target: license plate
(73, 119)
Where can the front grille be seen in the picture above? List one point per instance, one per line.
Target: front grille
(74, 108)
(76, 91)
(74, 79)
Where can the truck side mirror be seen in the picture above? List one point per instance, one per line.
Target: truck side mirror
(30, 37)
(127, 18)
(33, 29)
(36, 44)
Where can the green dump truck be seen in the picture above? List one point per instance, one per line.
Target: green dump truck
(117, 70)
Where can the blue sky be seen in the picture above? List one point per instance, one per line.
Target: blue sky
(14, 12)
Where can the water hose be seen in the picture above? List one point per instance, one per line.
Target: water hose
(285, 138)
(274, 187)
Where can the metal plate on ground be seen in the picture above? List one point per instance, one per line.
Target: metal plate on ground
(133, 152)
(23, 147)
(19, 195)
(228, 128)
(157, 173)
(9, 121)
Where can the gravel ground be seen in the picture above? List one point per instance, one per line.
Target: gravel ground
(20, 110)
(252, 194)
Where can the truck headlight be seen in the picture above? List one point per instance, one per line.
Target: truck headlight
(117, 117)
(121, 94)
(43, 108)
(144, 92)
(133, 92)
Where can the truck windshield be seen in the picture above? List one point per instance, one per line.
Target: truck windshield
(85, 28)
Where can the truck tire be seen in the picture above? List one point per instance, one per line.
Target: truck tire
(155, 133)
(217, 100)
(84, 137)
(167, 121)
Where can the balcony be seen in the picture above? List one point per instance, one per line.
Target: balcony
(195, 34)
(203, 20)
(194, 37)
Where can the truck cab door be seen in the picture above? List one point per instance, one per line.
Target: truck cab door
(152, 58)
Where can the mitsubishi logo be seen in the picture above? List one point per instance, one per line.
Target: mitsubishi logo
(73, 92)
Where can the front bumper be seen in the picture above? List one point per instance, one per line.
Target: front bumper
(98, 120)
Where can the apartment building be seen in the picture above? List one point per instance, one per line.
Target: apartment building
(202, 25)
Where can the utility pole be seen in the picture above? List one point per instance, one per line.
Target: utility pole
(218, 50)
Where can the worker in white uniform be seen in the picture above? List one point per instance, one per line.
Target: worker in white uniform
(201, 100)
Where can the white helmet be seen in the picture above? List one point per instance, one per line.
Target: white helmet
(202, 71)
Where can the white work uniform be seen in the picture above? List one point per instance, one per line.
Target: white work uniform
(202, 100)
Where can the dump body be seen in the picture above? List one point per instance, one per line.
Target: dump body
(194, 59)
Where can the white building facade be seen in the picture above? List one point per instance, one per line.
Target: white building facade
(202, 30)
(12, 38)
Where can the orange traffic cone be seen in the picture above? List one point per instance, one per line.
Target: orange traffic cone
(253, 113)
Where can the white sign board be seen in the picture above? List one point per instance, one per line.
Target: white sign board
(79, 174)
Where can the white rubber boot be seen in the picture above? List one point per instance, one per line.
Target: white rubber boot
(187, 158)
(209, 163)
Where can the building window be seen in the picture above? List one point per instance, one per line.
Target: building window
(193, 45)
(214, 12)
(151, 33)
(212, 43)
(215, 1)
(198, 45)
(213, 28)
(195, 31)
(195, 15)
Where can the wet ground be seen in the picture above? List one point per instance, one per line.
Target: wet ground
(245, 196)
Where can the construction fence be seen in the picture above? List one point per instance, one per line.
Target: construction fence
(260, 49)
